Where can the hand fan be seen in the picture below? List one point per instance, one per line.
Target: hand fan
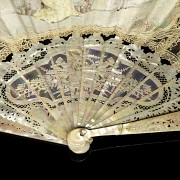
(74, 69)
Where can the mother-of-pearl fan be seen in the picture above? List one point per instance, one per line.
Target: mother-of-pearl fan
(74, 69)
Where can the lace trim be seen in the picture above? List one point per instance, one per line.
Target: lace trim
(162, 41)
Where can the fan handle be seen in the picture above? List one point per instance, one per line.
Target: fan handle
(79, 139)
